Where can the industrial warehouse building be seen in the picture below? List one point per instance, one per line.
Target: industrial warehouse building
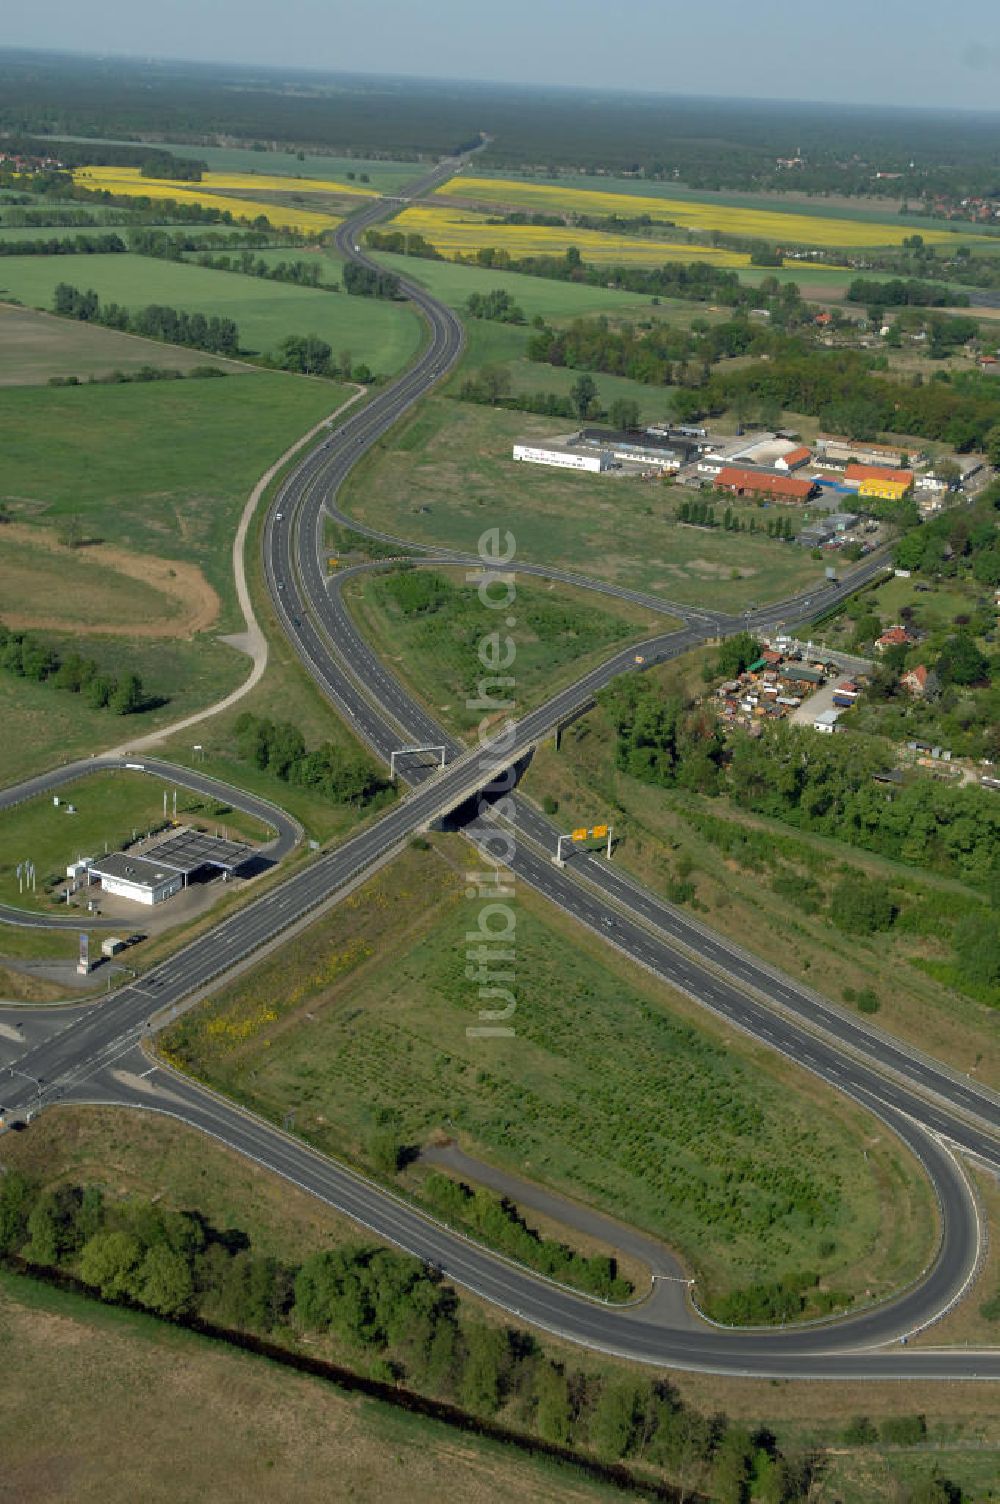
(562, 456)
(834, 451)
(666, 449)
(745, 482)
(157, 873)
(879, 483)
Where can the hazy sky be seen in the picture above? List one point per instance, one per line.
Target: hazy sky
(860, 51)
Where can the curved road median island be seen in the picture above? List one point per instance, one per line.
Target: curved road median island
(95, 1056)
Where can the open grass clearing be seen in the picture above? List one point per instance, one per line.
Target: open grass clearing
(110, 810)
(665, 840)
(430, 626)
(49, 586)
(614, 1090)
(159, 468)
(383, 334)
(448, 473)
(35, 347)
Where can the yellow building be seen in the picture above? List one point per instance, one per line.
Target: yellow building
(885, 490)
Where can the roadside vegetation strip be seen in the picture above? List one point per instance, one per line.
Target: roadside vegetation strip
(700, 1156)
(732, 219)
(462, 232)
(427, 624)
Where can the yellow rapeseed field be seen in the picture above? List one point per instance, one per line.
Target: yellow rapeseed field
(457, 232)
(759, 224)
(210, 193)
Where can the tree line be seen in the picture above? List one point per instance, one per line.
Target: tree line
(27, 657)
(68, 245)
(851, 392)
(498, 1222)
(395, 1317)
(652, 353)
(897, 293)
(278, 747)
(174, 245)
(219, 336)
(367, 282)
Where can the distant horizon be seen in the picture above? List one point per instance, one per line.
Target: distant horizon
(950, 65)
(848, 106)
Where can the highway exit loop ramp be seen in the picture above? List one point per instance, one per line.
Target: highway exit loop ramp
(926, 1106)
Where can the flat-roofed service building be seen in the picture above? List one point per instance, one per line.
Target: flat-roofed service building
(135, 877)
(563, 457)
(156, 874)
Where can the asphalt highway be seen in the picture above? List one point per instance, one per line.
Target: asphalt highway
(86, 1056)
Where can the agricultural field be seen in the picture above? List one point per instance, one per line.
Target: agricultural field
(382, 334)
(386, 176)
(35, 346)
(700, 215)
(448, 473)
(456, 231)
(109, 808)
(230, 191)
(595, 1069)
(765, 885)
(814, 206)
(429, 626)
(556, 302)
(139, 483)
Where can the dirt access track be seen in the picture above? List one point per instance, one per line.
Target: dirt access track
(63, 589)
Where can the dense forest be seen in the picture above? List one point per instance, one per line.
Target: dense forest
(705, 143)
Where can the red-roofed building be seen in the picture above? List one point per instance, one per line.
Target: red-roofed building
(893, 637)
(744, 482)
(914, 681)
(793, 459)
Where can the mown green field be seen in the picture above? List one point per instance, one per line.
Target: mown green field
(384, 335)
(448, 473)
(610, 1088)
(430, 625)
(162, 468)
(555, 301)
(109, 808)
(34, 347)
